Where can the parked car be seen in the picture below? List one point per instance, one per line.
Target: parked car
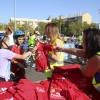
(1, 35)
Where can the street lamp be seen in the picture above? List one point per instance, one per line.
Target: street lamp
(60, 23)
(14, 15)
(38, 25)
(99, 19)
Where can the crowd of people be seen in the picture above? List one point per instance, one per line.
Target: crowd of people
(13, 60)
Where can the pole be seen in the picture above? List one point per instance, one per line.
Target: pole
(60, 23)
(38, 25)
(99, 20)
(99, 16)
(14, 15)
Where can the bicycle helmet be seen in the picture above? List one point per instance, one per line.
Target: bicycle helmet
(18, 33)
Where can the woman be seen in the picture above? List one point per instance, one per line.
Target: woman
(90, 51)
(6, 56)
(55, 58)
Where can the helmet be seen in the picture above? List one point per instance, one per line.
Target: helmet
(18, 33)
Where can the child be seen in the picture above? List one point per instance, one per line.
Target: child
(6, 56)
(18, 68)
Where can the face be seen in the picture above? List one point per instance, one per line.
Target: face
(47, 34)
(84, 43)
(20, 40)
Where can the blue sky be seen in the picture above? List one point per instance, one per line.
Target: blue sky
(41, 9)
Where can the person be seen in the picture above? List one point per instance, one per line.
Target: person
(80, 41)
(31, 41)
(36, 33)
(9, 33)
(65, 39)
(76, 43)
(55, 58)
(90, 51)
(6, 56)
(18, 68)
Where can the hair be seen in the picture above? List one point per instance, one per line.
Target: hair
(92, 41)
(4, 39)
(53, 31)
(15, 37)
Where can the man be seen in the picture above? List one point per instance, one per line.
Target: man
(31, 41)
(9, 33)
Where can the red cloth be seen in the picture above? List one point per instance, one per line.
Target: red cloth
(42, 90)
(73, 74)
(4, 94)
(42, 55)
(23, 90)
(27, 90)
(63, 89)
(14, 67)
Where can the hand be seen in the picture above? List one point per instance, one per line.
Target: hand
(57, 49)
(9, 30)
(34, 49)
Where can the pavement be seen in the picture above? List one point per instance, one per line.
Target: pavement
(33, 75)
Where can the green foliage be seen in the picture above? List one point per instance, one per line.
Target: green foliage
(2, 27)
(41, 27)
(67, 28)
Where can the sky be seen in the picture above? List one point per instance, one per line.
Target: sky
(41, 9)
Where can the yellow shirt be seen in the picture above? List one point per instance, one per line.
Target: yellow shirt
(48, 72)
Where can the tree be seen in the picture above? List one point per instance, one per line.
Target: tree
(61, 22)
(26, 28)
(72, 28)
(93, 25)
(12, 25)
(85, 25)
(79, 28)
(41, 27)
(3, 27)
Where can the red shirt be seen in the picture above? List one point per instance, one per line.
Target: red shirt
(14, 67)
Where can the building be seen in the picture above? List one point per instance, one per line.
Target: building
(31, 22)
(79, 17)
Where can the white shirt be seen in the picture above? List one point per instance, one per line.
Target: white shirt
(11, 39)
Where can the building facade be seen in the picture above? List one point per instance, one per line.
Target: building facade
(79, 17)
(32, 22)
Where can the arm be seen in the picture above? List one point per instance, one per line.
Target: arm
(9, 30)
(25, 55)
(73, 51)
(92, 66)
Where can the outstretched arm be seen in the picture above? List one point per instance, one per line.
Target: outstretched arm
(25, 55)
(73, 51)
